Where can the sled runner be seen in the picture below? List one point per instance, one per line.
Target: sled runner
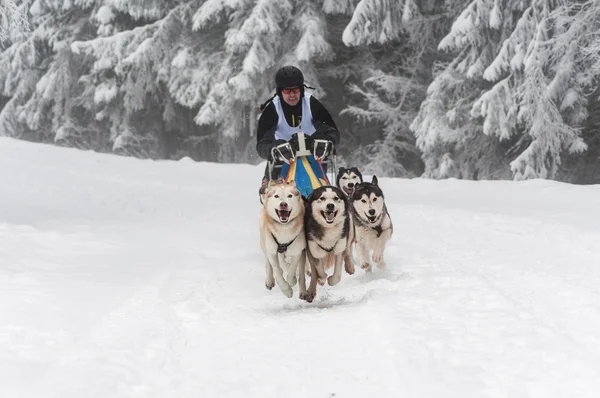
(303, 166)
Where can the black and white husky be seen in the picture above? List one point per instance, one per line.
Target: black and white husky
(347, 179)
(329, 234)
(372, 223)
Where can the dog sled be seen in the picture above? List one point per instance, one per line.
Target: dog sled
(303, 166)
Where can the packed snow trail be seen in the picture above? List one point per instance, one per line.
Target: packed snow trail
(129, 278)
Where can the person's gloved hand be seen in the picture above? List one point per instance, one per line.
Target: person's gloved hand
(319, 135)
(277, 143)
(323, 131)
(284, 152)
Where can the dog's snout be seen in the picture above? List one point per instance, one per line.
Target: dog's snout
(330, 207)
(283, 205)
(350, 184)
(372, 212)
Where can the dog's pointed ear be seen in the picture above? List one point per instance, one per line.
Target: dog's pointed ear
(340, 170)
(374, 180)
(292, 183)
(279, 180)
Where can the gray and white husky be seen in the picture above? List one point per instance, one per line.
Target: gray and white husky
(329, 234)
(348, 178)
(282, 237)
(372, 223)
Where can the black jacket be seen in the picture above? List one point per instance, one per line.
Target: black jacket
(267, 124)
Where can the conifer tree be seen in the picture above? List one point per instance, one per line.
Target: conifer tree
(36, 72)
(132, 69)
(13, 20)
(514, 120)
(399, 35)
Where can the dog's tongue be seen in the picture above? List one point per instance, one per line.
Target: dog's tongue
(329, 215)
(348, 190)
(284, 215)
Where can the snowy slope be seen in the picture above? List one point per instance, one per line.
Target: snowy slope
(129, 278)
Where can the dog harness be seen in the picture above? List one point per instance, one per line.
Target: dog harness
(327, 250)
(379, 230)
(284, 130)
(282, 247)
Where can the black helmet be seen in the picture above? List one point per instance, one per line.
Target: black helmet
(289, 76)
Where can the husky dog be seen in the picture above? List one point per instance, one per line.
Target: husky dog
(372, 223)
(282, 237)
(347, 179)
(329, 235)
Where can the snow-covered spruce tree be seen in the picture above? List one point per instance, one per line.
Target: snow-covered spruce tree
(36, 71)
(449, 138)
(134, 69)
(579, 39)
(547, 100)
(519, 86)
(399, 35)
(13, 20)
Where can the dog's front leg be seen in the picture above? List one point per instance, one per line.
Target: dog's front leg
(269, 281)
(302, 275)
(380, 246)
(337, 271)
(363, 256)
(292, 279)
(310, 295)
(278, 274)
(348, 261)
(321, 274)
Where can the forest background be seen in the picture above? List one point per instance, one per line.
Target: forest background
(470, 89)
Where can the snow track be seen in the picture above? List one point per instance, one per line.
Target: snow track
(128, 278)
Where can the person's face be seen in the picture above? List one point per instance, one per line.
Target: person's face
(291, 95)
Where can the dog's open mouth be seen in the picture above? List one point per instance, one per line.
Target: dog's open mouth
(371, 218)
(348, 191)
(284, 215)
(329, 216)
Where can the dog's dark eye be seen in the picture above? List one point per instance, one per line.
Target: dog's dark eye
(364, 201)
(322, 198)
(344, 178)
(290, 196)
(375, 199)
(336, 199)
(276, 196)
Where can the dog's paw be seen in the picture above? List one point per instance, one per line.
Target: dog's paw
(307, 296)
(270, 284)
(377, 256)
(381, 264)
(349, 267)
(321, 281)
(333, 280)
(286, 290)
(366, 267)
(292, 280)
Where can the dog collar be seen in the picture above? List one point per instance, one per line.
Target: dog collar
(282, 247)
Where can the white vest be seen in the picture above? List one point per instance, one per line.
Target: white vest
(284, 130)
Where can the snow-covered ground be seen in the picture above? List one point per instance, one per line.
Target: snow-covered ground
(129, 278)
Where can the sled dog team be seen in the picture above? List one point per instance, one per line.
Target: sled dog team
(301, 237)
